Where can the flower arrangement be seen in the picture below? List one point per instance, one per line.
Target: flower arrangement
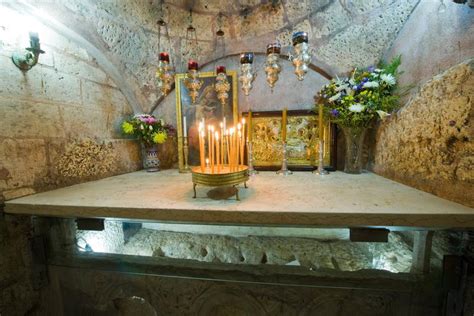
(148, 129)
(356, 100)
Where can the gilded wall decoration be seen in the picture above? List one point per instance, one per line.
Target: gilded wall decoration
(302, 140)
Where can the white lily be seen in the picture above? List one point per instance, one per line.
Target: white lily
(388, 79)
(356, 107)
(371, 84)
(335, 97)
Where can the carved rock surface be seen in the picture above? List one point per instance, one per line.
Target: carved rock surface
(429, 144)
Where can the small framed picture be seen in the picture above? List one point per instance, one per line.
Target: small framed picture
(302, 140)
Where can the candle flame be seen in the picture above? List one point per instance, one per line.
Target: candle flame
(239, 126)
(243, 121)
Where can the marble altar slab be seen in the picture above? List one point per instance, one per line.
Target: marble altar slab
(302, 199)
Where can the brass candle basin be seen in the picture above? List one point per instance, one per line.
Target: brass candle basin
(225, 177)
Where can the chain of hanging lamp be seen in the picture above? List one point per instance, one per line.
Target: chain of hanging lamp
(222, 85)
(164, 72)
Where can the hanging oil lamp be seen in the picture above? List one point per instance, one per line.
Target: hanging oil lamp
(302, 57)
(272, 66)
(222, 85)
(192, 81)
(247, 75)
(164, 74)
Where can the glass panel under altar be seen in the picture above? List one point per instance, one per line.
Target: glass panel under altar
(311, 248)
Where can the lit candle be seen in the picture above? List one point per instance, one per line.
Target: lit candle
(185, 129)
(283, 126)
(213, 150)
(218, 154)
(201, 149)
(249, 127)
(209, 135)
(207, 162)
(238, 136)
(321, 127)
(221, 125)
(227, 147)
(241, 147)
(201, 136)
(225, 124)
(231, 144)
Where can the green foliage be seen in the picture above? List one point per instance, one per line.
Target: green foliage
(147, 128)
(368, 93)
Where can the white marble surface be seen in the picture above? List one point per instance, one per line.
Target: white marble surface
(336, 200)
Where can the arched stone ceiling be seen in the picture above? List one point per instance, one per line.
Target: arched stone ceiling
(342, 33)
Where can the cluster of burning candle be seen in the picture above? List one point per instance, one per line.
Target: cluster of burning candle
(222, 149)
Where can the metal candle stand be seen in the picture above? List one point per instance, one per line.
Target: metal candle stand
(252, 171)
(186, 168)
(321, 171)
(284, 167)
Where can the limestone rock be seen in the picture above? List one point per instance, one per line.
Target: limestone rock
(428, 143)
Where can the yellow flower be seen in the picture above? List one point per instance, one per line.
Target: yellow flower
(160, 137)
(127, 128)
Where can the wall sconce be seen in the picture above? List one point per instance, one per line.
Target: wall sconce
(26, 60)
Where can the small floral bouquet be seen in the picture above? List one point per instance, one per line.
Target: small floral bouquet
(148, 129)
(355, 101)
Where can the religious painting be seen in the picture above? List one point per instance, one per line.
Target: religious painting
(207, 107)
(302, 140)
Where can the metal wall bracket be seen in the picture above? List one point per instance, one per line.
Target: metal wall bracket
(369, 234)
(96, 224)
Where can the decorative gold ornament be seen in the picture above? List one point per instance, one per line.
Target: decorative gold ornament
(192, 81)
(272, 67)
(247, 75)
(303, 57)
(222, 85)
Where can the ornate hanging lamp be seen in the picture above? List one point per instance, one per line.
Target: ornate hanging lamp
(222, 85)
(164, 73)
(272, 66)
(247, 75)
(192, 81)
(302, 57)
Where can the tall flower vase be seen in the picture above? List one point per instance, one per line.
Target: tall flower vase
(151, 162)
(354, 137)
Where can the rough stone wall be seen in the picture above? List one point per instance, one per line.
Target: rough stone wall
(58, 126)
(428, 144)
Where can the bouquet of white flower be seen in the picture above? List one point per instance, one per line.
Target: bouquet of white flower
(356, 100)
